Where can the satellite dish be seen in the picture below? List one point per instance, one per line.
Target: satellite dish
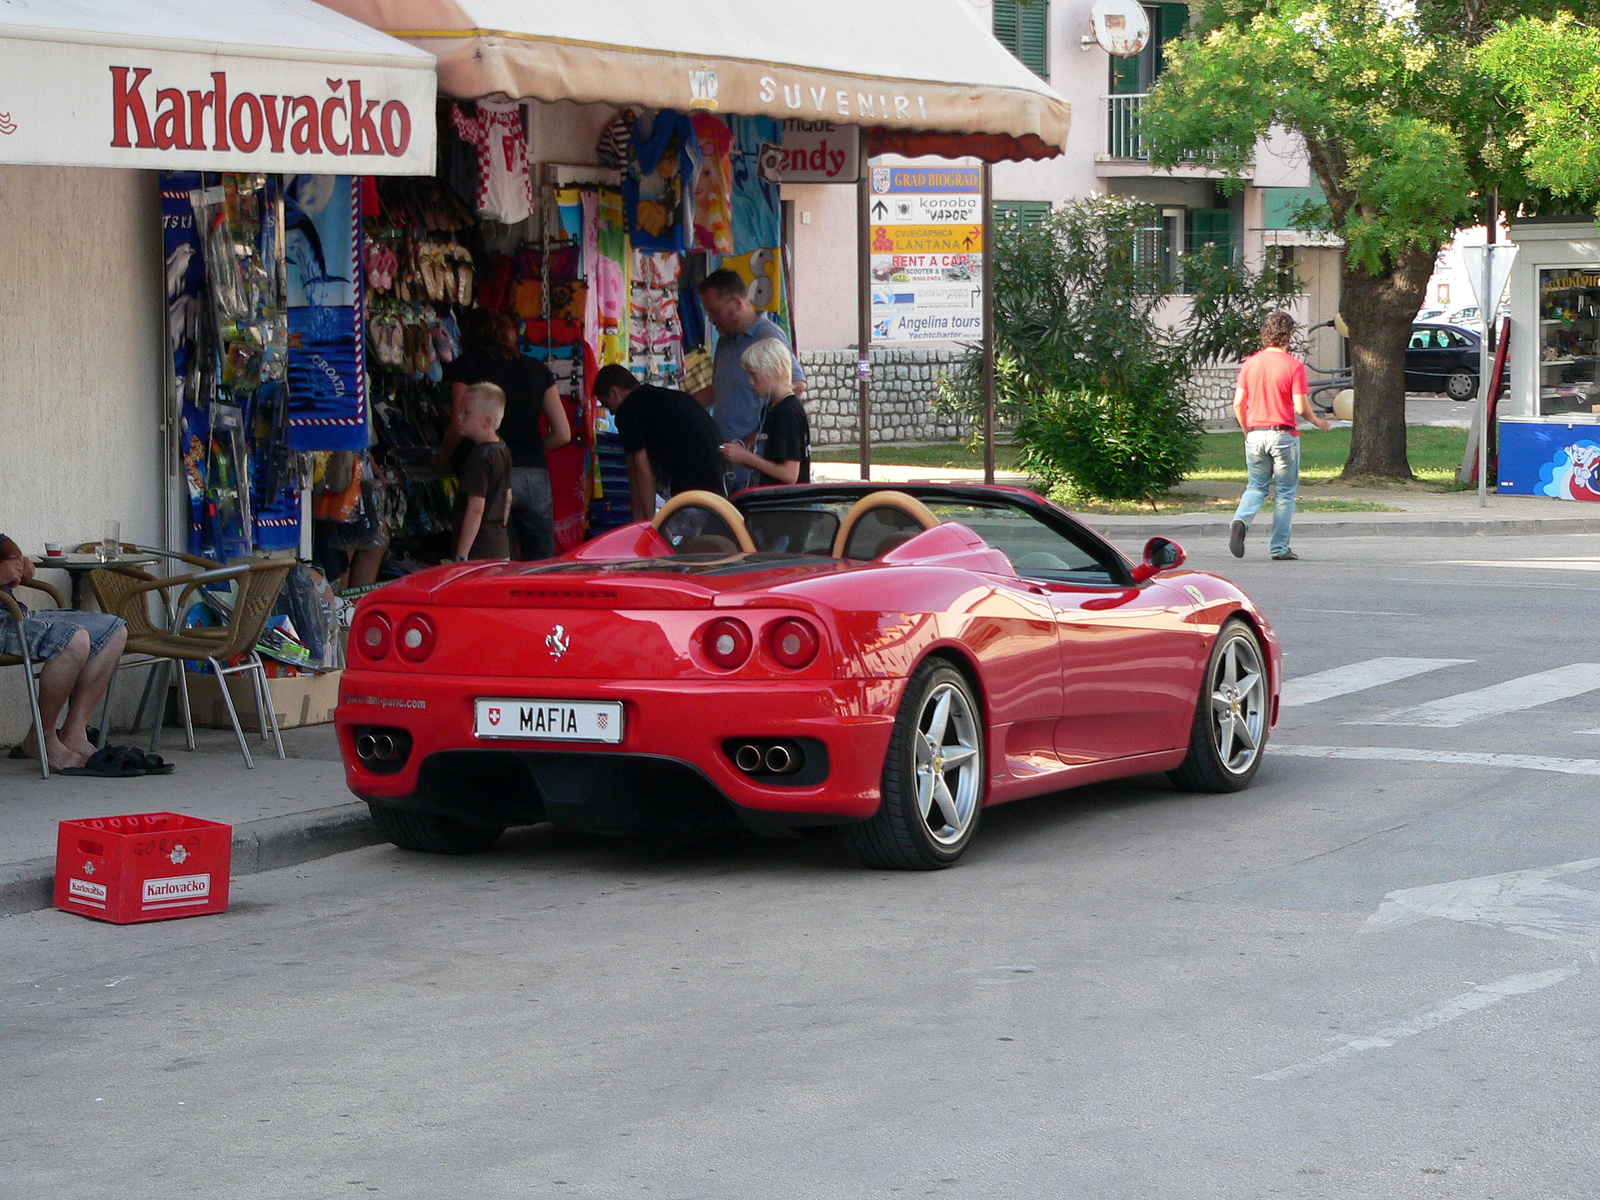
(1120, 26)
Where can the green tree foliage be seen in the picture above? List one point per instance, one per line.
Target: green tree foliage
(1091, 357)
(1550, 71)
(1404, 132)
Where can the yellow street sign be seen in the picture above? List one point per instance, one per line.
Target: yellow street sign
(927, 239)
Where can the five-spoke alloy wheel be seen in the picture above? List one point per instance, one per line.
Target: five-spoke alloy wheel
(933, 776)
(1232, 718)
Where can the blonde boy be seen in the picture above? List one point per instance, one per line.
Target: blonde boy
(483, 501)
(781, 449)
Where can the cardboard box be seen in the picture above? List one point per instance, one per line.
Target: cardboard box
(298, 700)
(148, 867)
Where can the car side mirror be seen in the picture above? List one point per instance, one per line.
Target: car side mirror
(1160, 554)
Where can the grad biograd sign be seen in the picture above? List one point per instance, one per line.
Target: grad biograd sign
(86, 105)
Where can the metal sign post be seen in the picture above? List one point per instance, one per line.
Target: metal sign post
(988, 323)
(864, 312)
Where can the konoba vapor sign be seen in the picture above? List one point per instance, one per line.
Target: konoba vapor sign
(73, 104)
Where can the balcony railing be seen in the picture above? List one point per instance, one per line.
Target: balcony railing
(1124, 141)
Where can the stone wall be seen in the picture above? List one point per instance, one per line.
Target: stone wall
(1211, 395)
(904, 383)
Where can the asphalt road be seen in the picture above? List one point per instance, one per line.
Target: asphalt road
(1124, 991)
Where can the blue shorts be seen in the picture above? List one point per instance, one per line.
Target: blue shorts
(49, 630)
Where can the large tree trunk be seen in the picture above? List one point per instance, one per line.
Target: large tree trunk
(1378, 310)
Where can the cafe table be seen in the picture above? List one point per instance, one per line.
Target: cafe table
(79, 565)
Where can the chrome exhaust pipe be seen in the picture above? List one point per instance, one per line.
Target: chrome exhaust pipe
(748, 758)
(366, 747)
(383, 746)
(780, 759)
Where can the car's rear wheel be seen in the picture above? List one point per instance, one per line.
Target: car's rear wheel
(1461, 385)
(1232, 717)
(933, 777)
(432, 833)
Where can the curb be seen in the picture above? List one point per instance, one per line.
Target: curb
(1420, 526)
(264, 845)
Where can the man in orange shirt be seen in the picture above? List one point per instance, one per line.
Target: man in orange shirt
(1272, 392)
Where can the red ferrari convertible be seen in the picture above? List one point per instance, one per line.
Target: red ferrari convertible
(888, 661)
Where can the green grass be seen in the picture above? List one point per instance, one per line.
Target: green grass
(944, 456)
(1435, 454)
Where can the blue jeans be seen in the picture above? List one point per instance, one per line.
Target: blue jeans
(532, 513)
(1271, 455)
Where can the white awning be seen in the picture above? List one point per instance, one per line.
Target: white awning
(213, 85)
(902, 67)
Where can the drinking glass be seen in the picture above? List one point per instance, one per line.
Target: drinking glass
(111, 541)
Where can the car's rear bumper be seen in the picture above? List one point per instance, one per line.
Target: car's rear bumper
(673, 756)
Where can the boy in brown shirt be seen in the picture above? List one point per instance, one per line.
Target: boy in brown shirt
(483, 501)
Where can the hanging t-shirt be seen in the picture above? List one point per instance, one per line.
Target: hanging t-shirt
(713, 187)
(505, 186)
(785, 437)
(660, 183)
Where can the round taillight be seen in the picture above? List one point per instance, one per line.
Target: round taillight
(793, 642)
(727, 642)
(416, 638)
(373, 636)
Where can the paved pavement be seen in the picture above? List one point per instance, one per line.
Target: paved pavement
(1372, 975)
(282, 812)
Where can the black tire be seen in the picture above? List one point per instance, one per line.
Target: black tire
(1461, 385)
(1205, 769)
(431, 833)
(899, 837)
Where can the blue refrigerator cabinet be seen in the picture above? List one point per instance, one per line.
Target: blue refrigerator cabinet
(1541, 457)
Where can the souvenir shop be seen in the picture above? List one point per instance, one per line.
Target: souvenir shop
(315, 320)
(1549, 423)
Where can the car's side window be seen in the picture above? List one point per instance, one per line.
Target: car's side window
(1421, 339)
(1036, 550)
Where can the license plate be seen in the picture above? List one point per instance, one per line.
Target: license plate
(550, 720)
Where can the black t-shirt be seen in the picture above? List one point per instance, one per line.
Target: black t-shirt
(486, 472)
(524, 380)
(677, 433)
(785, 436)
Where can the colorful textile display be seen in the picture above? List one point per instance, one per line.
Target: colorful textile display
(713, 187)
(655, 331)
(327, 324)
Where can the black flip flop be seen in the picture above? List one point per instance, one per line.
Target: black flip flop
(114, 762)
(148, 764)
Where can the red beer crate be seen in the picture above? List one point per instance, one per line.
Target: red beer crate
(147, 867)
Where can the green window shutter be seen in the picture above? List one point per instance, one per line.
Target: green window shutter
(1125, 76)
(1023, 27)
(1170, 21)
(1020, 214)
(1211, 225)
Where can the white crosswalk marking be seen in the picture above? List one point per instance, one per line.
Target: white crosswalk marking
(1529, 691)
(1358, 677)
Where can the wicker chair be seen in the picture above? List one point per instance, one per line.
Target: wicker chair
(124, 593)
(15, 612)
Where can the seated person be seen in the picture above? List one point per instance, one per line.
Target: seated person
(670, 440)
(79, 651)
(780, 451)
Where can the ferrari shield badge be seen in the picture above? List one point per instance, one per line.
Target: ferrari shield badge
(557, 642)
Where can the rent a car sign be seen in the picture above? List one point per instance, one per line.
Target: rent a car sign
(927, 254)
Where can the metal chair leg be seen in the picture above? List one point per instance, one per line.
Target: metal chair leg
(105, 712)
(144, 697)
(266, 700)
(33, 705)
(233, 713)
(165, 666)
(258, 679)
(183, 702)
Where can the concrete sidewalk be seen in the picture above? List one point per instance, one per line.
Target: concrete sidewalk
(1423, 513)
(282, 813)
